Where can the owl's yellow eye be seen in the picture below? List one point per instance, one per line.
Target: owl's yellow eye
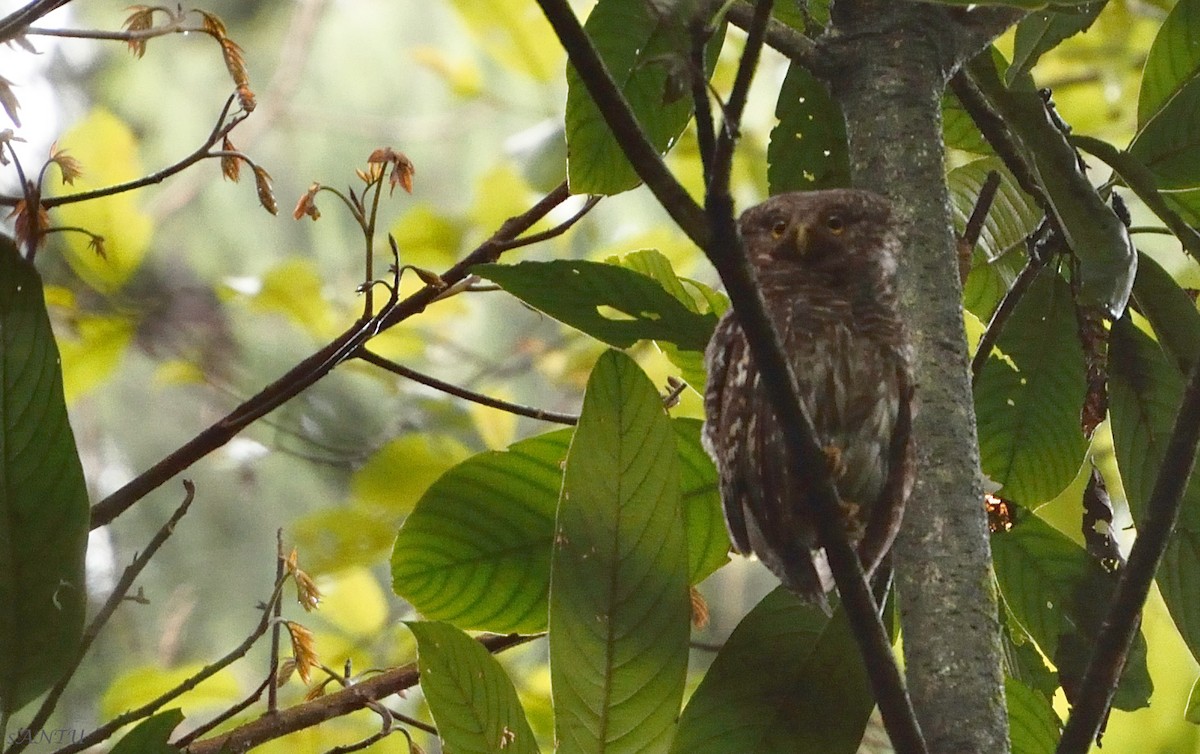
(835, 224)
(778, 229)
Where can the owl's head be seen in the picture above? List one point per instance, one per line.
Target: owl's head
(821, 231)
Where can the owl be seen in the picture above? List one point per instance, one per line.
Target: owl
(826, 263)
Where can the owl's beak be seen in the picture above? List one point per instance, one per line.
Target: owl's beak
(798, 238)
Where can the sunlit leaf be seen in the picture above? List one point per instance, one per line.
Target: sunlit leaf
(139, 685)
(427, 237)
(514, 33)
(294, 288)
(400, 472)
(473, 701)
(1013, 214)
(787, 680)
(107, 150)
(1034, 727)
(1040, 32)
(43, 502)
(1169, 144)
(619, 606)
(93, 355)
(608, 302)
(1027, 405)
(1173, 63)
(353, 601)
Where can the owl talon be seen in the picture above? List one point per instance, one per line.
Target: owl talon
(833, 460)
(852, 520)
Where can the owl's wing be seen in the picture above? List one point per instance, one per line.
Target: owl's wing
(724, 435)
(888, 510)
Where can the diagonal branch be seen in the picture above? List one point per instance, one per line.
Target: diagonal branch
(1121, 623)
(313, 368)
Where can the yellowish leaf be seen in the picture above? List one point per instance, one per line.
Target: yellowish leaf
(178, 372)
(462, 75)
(427, 238)
(136, 687)
(106, 146)
(400, 472)
(90, 358)
(497, 429)
(295, 290)
(352, 601)
(515, 34)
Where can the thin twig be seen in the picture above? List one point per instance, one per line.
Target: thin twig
(779, 36)
(219, 132)
(549, 233)
(469, 395)
(115, 598)
(722, 162)
(983, 204)
(706, 139)
(617, 113)
(1154, 533)
(330, 706)
(227, 714)
(313, 368)
(276, 629)
(14, 24)
(1000, 317)
(103, 732)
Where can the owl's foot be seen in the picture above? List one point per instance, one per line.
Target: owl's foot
(833, 461)
(852, 520)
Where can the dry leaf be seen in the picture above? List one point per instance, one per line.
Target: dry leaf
(303, 650)
(68, 165)
(307, 593)
(8, 100)
(231, 167)
(266, 197)
(141, 19)
(699, 608)
(30, 227)
(402, 167)
(308, 204)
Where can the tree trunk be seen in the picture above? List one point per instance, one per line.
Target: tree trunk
(890, 61)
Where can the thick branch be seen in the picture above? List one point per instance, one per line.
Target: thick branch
(1124, 612)
(356, 697)
(779, 36)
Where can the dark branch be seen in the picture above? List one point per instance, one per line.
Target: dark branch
(1154, 532)
(313, 368)
(14, 24)
(360, 695)
(779, 36)
(460, 392)
(729, 257)
(621, 120)
(1003, 312)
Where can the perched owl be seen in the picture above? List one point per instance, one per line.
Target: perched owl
(826, 263)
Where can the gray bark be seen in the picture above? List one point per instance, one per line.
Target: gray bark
(889, 64)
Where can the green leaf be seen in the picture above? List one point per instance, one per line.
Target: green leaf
(641, 49)
(1033, 725)
(1037, 568)
(1145, 389)
(1169, 145)
(1173, 62)
(472, 699)
(1012, 216)
(1170, 311)
(151, 735)
(43, 498)
(1107, 258)
(959, 130)
(808, 148)
(1192, 714)
(1027, 404)
(619, 606)
(476, 550)
(1030, 4)
(611, 303)
(1040, 32)
(787, 680)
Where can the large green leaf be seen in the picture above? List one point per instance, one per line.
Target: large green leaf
(1040, 32)
(619, 606)
(642, 48)
(43, 498)
(1013, 214)
(1099, 239)
(787, 680)
(808, 148)
(607, 301)
(472, 699)
(1171, 313)
(1169, 145)
(1037, 568)
(1173, 63)
(959, 129)
(1145, 390)
(1027, 404)
(475, 551)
